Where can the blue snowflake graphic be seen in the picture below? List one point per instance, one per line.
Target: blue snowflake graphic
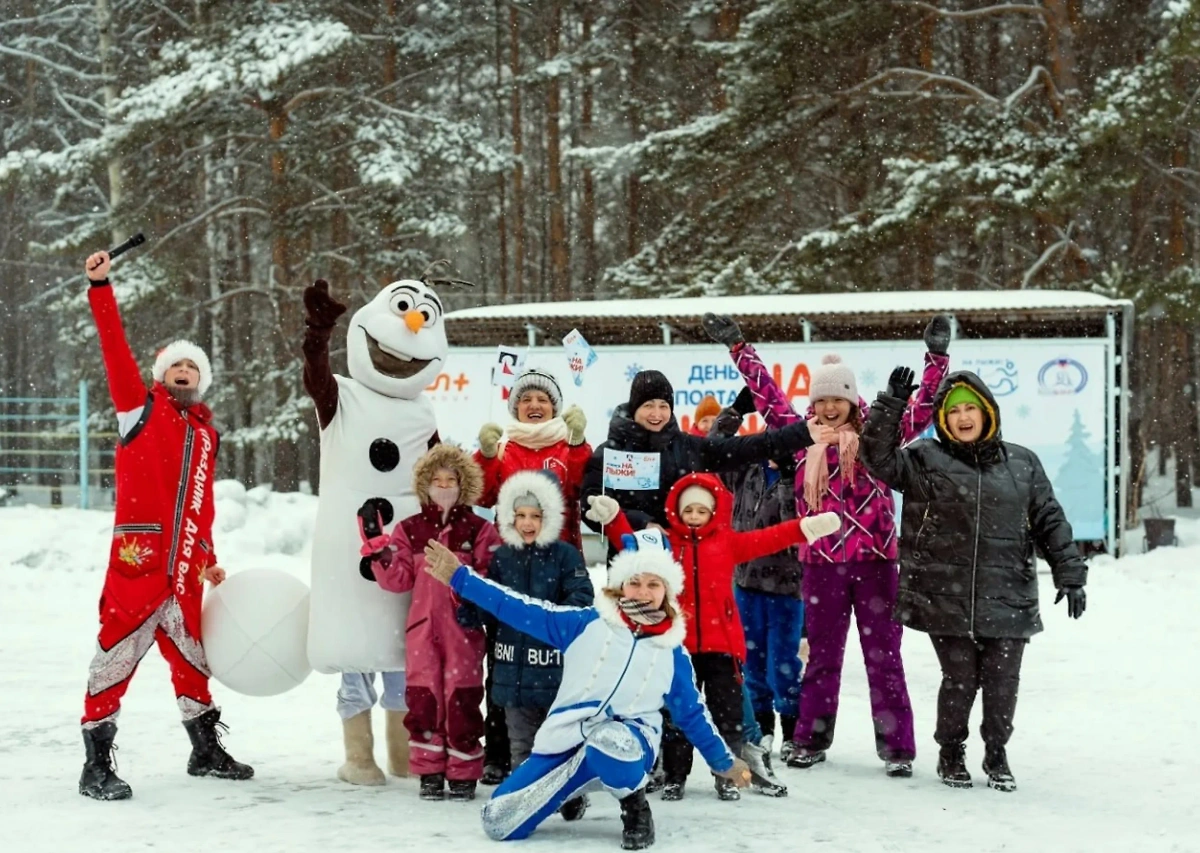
(632, 371)
(1023, 412)
(868, 378)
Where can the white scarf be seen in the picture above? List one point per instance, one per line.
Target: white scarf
(538, 436)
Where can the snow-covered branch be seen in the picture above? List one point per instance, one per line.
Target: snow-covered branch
(986, 11)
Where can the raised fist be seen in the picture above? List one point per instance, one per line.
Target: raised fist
(489, 440)
(321, 310)
(97, 266)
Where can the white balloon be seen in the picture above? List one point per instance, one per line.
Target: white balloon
(255, 632)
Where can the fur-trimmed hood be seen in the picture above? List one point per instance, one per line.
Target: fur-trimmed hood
(672, 638)
(452, 458)
(543, 487)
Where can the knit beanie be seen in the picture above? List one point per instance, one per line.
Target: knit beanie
(833, 379)
(961, 394)
(177, 351)
(528, 499)
(697, 495)
(535, 380)
(650, 385)
(709, 407)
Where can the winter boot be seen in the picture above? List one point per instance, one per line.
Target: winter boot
(672, 789)
(787, 725)
(952, 766)
(637, 822)
(462, 790)
(995, 765)
(433, 786)
(657, 778)
(360, 767)
(804, 758)
(574, 808)
(99, 779)
(397, 743)
(762, 778)
(766, 722)
(898, 769)
(209, 757)
(494, 774)
(726, 790)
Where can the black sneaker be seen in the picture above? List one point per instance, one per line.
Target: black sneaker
(901, 769)
(804, 758)
(952, 766)
(462, 789)
(433, 786)
(494, 774)
(99, 779)
(637, 823)
(726, 790)
(672, 791)
(574, 808)
(995, 765)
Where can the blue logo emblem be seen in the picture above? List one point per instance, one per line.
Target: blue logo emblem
(1062, 376)
(998, 374)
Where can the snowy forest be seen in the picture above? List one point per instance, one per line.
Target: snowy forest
(585, 149)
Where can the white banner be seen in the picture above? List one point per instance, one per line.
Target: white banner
(1050, 391)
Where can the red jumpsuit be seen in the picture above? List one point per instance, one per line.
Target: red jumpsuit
(162, 538)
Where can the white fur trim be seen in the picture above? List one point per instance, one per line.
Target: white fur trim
(178, 351)
(669, 639)
(627, 564)
(548, 495)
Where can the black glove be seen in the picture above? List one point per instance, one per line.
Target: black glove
(320, 309)
(900, 383)
(1076, 600)
(727, 424)
(743, 403)
(937, 334)
(722, 329)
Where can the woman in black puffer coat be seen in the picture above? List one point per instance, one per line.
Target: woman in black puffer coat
(646, 424)
(975, 510)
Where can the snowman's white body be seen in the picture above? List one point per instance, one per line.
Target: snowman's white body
(354, 625)
(396, 346)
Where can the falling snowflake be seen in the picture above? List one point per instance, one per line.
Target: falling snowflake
(632, 371)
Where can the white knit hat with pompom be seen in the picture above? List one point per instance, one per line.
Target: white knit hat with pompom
(833, 379)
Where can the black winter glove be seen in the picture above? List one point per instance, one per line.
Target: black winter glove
(727, 424)
(722, 329)
(321, 310)
(901, 384)
(1076, 600)
(743, 403)
(937, 334)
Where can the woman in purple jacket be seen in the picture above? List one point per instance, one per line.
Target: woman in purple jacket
(857, 569)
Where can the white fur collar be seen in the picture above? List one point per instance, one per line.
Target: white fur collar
(543, 487)
(673, 638)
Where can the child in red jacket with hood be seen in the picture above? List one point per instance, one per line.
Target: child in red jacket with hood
(699, 512)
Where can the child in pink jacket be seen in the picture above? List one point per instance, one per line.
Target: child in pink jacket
(443, 659)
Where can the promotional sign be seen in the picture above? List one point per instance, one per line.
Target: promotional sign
(1051, 394)
(633, 471)
(580, 355)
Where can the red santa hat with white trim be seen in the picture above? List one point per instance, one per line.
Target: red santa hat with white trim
(177, 351)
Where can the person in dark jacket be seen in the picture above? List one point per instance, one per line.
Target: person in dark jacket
(767, 589)
(975, 510)
(646, 423)
(534, 562)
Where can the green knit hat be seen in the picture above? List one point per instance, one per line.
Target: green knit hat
(961, 394)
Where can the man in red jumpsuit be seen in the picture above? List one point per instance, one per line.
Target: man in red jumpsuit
(162, 548)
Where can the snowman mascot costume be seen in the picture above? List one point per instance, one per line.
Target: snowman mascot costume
(374, 426)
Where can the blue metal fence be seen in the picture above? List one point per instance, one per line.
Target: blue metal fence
(52, 434)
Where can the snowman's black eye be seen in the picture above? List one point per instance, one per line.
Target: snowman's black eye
(402, 305)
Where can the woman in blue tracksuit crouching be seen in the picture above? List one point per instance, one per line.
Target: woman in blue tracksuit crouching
(623, 662)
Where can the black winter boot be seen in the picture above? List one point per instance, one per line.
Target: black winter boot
(995, 765)
(657, 777)
(952, 766)
(726, 790)
(462, 790)
(637, 822)
(209, 757)
(803, 758)
(100, 780)
(433, 786)
(574, 808)
(494, 774)
(766, 722)
(673, 789)
(787, 734)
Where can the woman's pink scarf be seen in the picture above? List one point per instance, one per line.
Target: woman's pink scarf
(816, 464)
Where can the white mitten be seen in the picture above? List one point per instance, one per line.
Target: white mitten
(602, 509)
(816, 526)
(489, 440)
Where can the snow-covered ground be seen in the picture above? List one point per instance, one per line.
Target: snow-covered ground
(1105, 752)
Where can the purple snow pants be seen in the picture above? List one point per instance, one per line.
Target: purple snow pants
(831, 590)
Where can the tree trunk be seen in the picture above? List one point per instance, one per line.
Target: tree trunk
(501, 183)
(634, 189)
(108, 68)
(560, 261)
(518, 196)
(1060, 48)
(587, 207)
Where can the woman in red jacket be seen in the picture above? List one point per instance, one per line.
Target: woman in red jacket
(699, 511)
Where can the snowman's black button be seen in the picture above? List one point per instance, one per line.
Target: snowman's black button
(385, 455)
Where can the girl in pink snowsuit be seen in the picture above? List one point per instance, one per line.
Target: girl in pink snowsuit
(856, 570)
(443, 659)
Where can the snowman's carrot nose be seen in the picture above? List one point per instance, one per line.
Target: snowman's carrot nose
(414, 320)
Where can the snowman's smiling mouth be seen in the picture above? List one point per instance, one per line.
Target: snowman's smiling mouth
(393, 364)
